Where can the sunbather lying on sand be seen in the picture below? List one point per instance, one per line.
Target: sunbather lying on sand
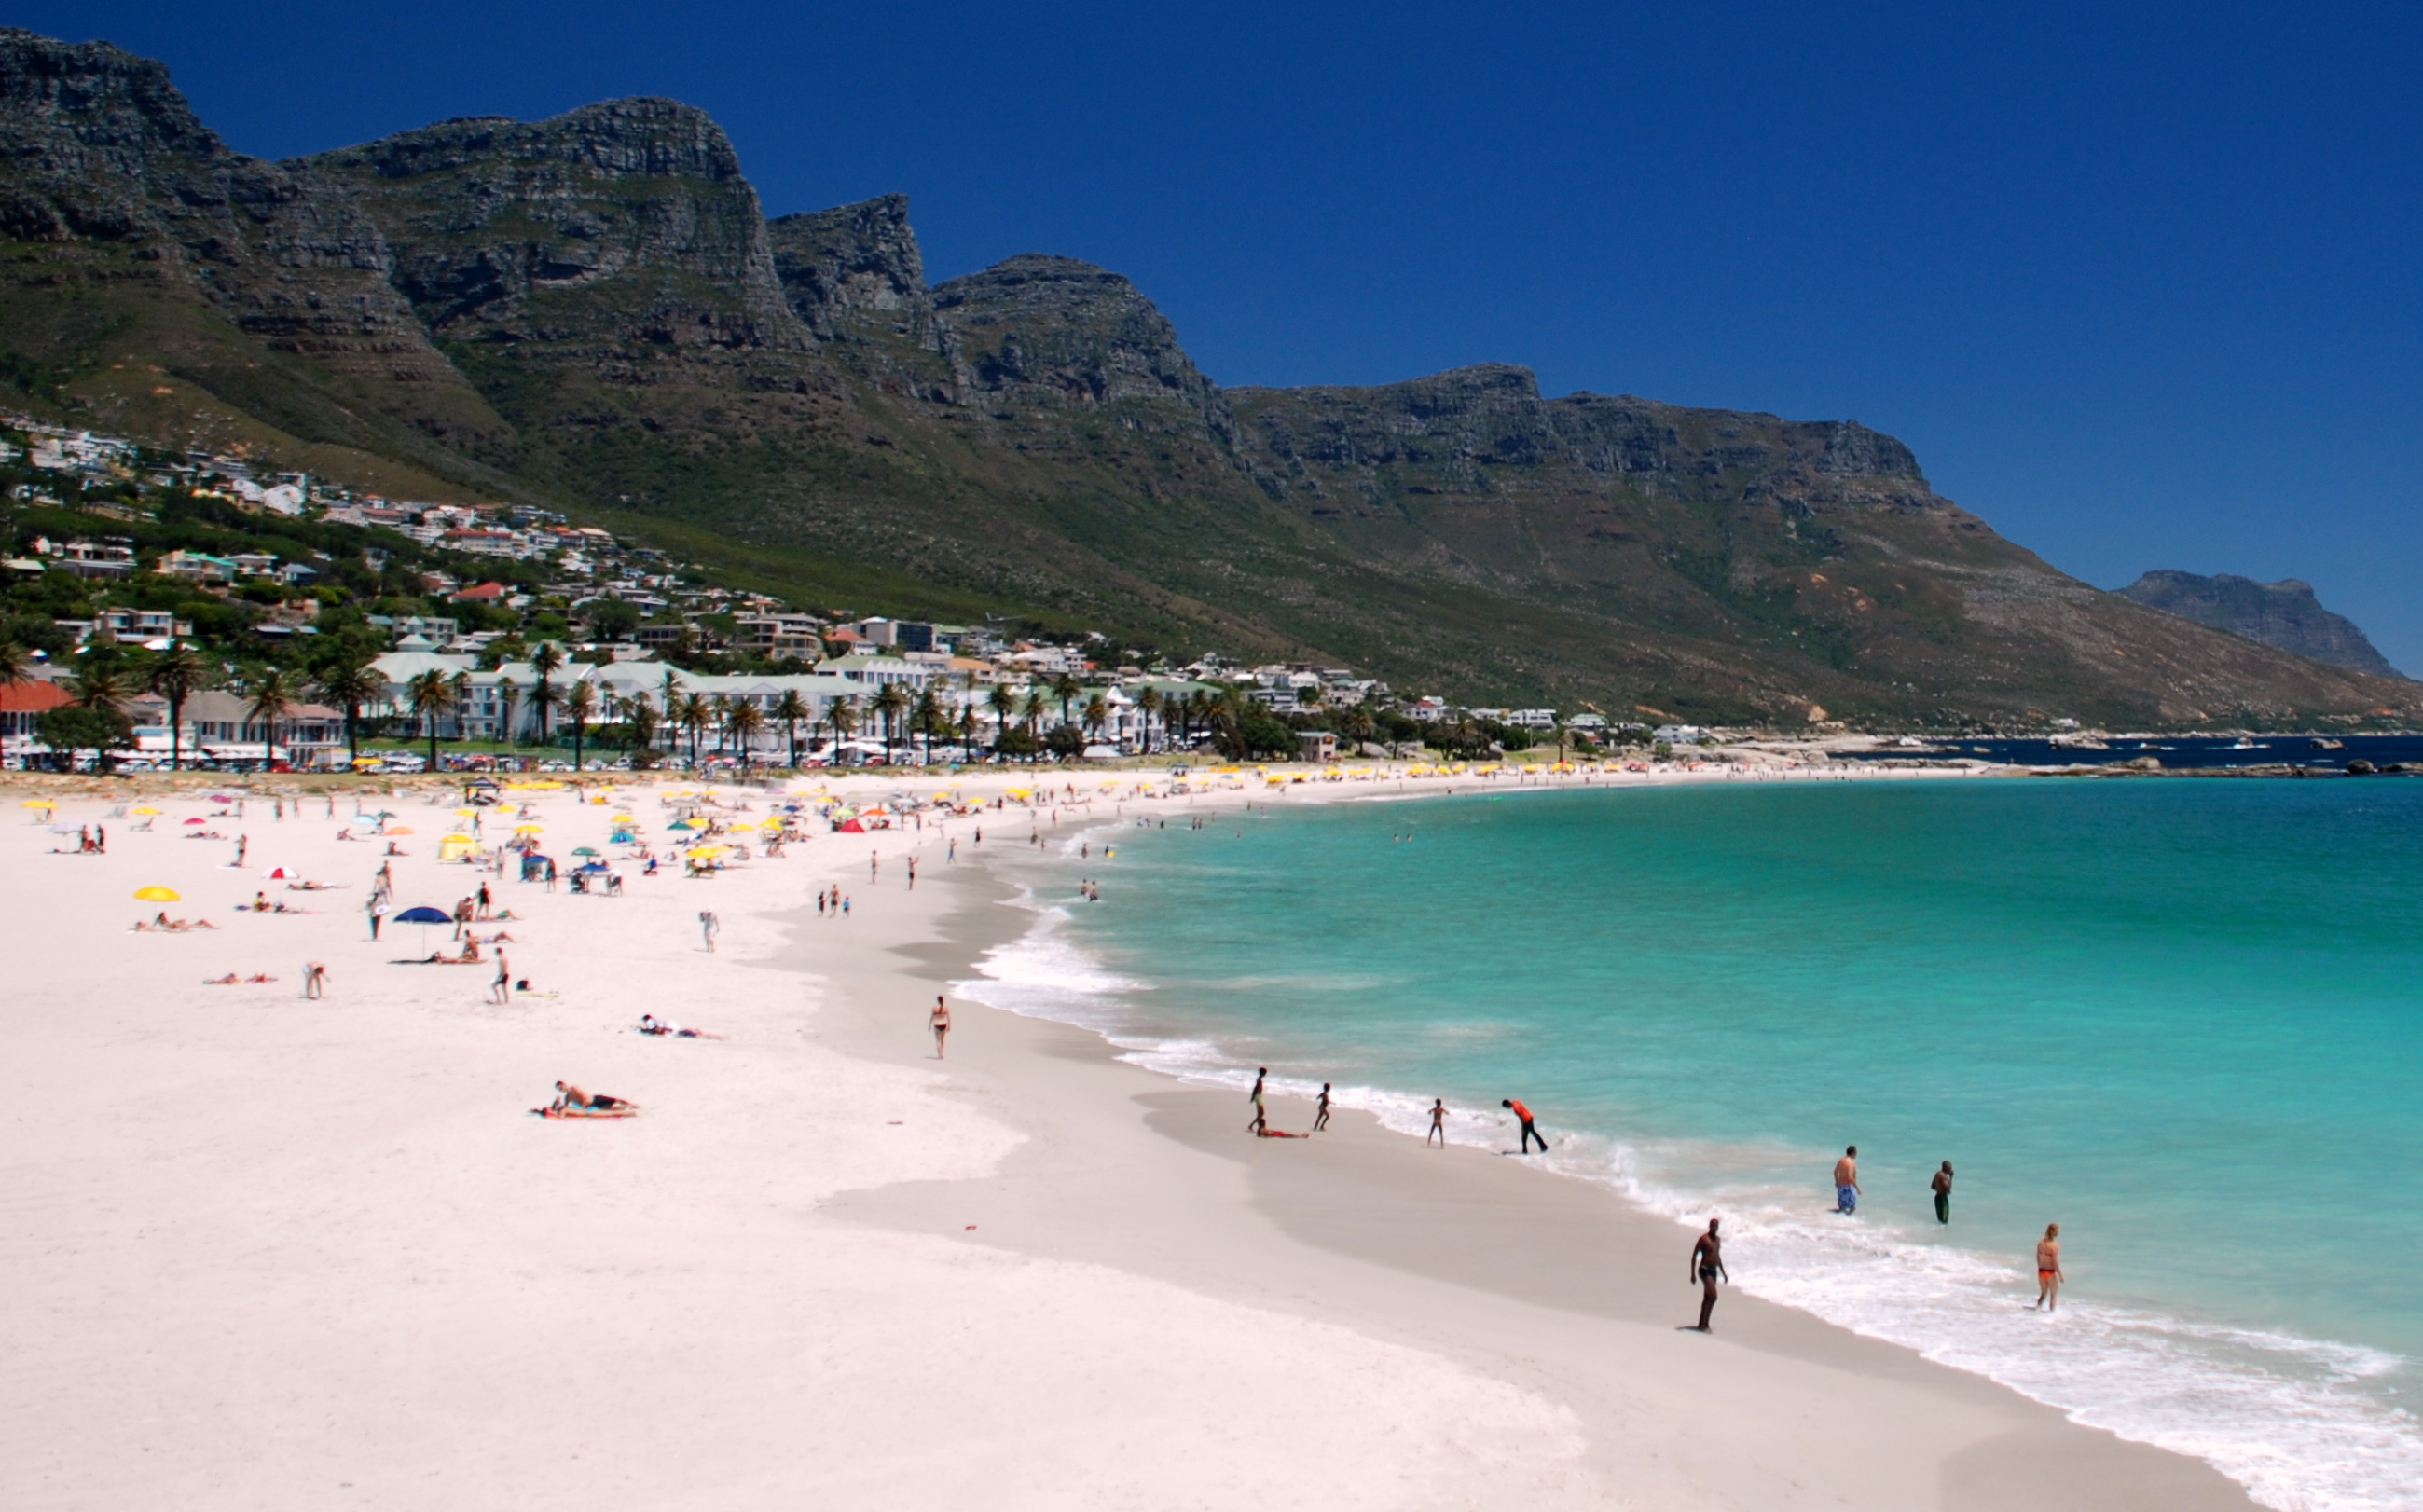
(571, 1099)
(651, 1024)
(232, 979)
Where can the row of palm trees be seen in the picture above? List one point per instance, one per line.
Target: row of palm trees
(178, 671)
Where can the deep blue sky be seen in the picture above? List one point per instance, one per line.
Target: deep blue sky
(2139, 283)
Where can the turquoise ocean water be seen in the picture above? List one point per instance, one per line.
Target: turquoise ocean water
(2181, 1019)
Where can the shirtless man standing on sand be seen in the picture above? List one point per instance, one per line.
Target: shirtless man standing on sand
(1708, 1266)
(1847, 1181)
(1321, 1113)
(2049, 1276)
(1438, 1123)
(939, 1022)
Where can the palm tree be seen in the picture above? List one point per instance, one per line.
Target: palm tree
(546, 661)
(175, 673)
(1065, 687)
(742, 720)
(349, 686)
(509, 697)
(640, 717)
(1148, 702)
(1220, 712)
(580, 702)
(891, 701)
(842, 715)
(270, 695)
(14, 660)
(967, 727)
(1097, 714)
(693, 714)
(1004, 702)
(1039, 703)
(928, 715)
(430, 696)
(790, 708)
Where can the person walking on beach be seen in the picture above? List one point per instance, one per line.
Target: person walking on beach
(2049, 1276)
(243, 844)
(483, 904)
(1255, 1097)
(708, 925)
(1529, 1133)
(1847, 1181)
(1941, 1186)
(1320, 1110)
(1708, 1265)
(500, 991)
(1438, 1123)
(939, 1022)
(315, 979)
(378, 914)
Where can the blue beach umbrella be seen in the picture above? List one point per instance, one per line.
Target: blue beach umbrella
(425, 917)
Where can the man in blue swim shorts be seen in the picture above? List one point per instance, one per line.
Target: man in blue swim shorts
(1847, 1181)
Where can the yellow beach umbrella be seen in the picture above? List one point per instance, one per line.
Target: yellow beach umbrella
(530, 830)
(146, 809)
(38, 803)
(157, 894)
(453, 840)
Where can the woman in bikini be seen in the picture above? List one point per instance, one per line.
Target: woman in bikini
(2049, 1276)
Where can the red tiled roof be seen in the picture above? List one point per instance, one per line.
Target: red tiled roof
(31, 698)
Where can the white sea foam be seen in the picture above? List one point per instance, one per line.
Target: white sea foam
(2288, 1418)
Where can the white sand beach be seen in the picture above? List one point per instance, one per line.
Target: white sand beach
(271, 1253)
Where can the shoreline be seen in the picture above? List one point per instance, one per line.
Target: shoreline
(1390, 1247)
(283, 1254)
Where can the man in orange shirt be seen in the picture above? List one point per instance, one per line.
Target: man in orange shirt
(1528, 1132)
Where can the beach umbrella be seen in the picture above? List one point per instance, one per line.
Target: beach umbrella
(282, 874)
(193, 821)
(530, 830)
(157, 894)
(399, 830)
(585, 850)
(425, 917)
(146, 810)
(454, 839)
(39, 803)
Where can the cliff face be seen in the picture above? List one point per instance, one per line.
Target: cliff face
(592, 310)
(104, 164)
(621, 222)
(2285, 614)
(1054, 331)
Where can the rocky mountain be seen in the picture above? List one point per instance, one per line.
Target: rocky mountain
(2285, 614)
(593, 311)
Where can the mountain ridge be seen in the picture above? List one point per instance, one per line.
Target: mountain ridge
(593, 311)
(2285, 614)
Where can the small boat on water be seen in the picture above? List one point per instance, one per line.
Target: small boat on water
(2325, 743)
